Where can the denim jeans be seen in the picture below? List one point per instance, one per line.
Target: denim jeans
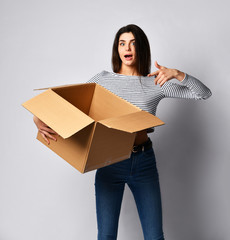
(141, 175)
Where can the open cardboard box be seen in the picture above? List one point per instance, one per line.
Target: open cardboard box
(96, 127)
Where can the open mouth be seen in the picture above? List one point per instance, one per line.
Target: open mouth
(128, 56)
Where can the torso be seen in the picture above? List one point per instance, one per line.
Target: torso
(141, 92)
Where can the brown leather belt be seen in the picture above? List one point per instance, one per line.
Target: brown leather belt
(142, 147)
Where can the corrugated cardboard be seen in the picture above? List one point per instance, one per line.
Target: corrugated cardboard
(96, 127)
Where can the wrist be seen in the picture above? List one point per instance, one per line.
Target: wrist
(179, 75)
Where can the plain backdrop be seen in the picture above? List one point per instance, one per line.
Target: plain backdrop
(47, 43)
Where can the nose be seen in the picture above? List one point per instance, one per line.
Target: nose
(127, 48)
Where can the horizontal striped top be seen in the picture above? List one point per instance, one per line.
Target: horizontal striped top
(142, 91)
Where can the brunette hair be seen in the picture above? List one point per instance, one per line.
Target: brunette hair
(143, 55)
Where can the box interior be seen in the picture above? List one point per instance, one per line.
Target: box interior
(96, 101)
(78, 95)
(106, 104)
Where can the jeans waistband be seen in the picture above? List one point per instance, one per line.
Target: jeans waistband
(142, 147)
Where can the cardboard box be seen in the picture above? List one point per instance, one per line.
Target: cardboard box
(96, 127)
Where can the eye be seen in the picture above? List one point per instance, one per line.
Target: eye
(133, 43)
(122, 44)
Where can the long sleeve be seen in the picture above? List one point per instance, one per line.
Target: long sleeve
(190, 88)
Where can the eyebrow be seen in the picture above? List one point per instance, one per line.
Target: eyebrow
(125, 41)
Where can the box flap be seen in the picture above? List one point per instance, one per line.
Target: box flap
(63, 86)
(57, 113)
(133, 122)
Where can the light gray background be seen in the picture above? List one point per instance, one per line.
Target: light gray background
(49, 43)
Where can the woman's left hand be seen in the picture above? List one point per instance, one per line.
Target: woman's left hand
(165, 74)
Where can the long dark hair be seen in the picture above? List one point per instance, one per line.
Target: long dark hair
(143, 55)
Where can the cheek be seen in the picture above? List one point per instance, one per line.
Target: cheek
(120, 53)
(134, 50)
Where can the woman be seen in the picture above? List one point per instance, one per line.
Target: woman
(131, 79)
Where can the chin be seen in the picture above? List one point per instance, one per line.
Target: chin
(129, 63)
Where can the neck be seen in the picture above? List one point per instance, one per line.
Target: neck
(128, 70)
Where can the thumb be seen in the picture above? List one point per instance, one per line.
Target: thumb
(157, 65)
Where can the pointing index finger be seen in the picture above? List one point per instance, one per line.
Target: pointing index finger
(154, 73)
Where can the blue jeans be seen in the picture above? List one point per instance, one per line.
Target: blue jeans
(140, 173)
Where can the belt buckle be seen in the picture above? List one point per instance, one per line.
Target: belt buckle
(135, 151)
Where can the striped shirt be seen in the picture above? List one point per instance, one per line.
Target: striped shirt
(143, 93)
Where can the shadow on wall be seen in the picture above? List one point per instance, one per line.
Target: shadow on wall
(181, 151)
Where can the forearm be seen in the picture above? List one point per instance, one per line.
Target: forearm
(190, 88)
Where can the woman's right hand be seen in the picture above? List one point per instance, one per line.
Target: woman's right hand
(46, 132)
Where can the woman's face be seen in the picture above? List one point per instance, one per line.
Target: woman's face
(126, 49)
